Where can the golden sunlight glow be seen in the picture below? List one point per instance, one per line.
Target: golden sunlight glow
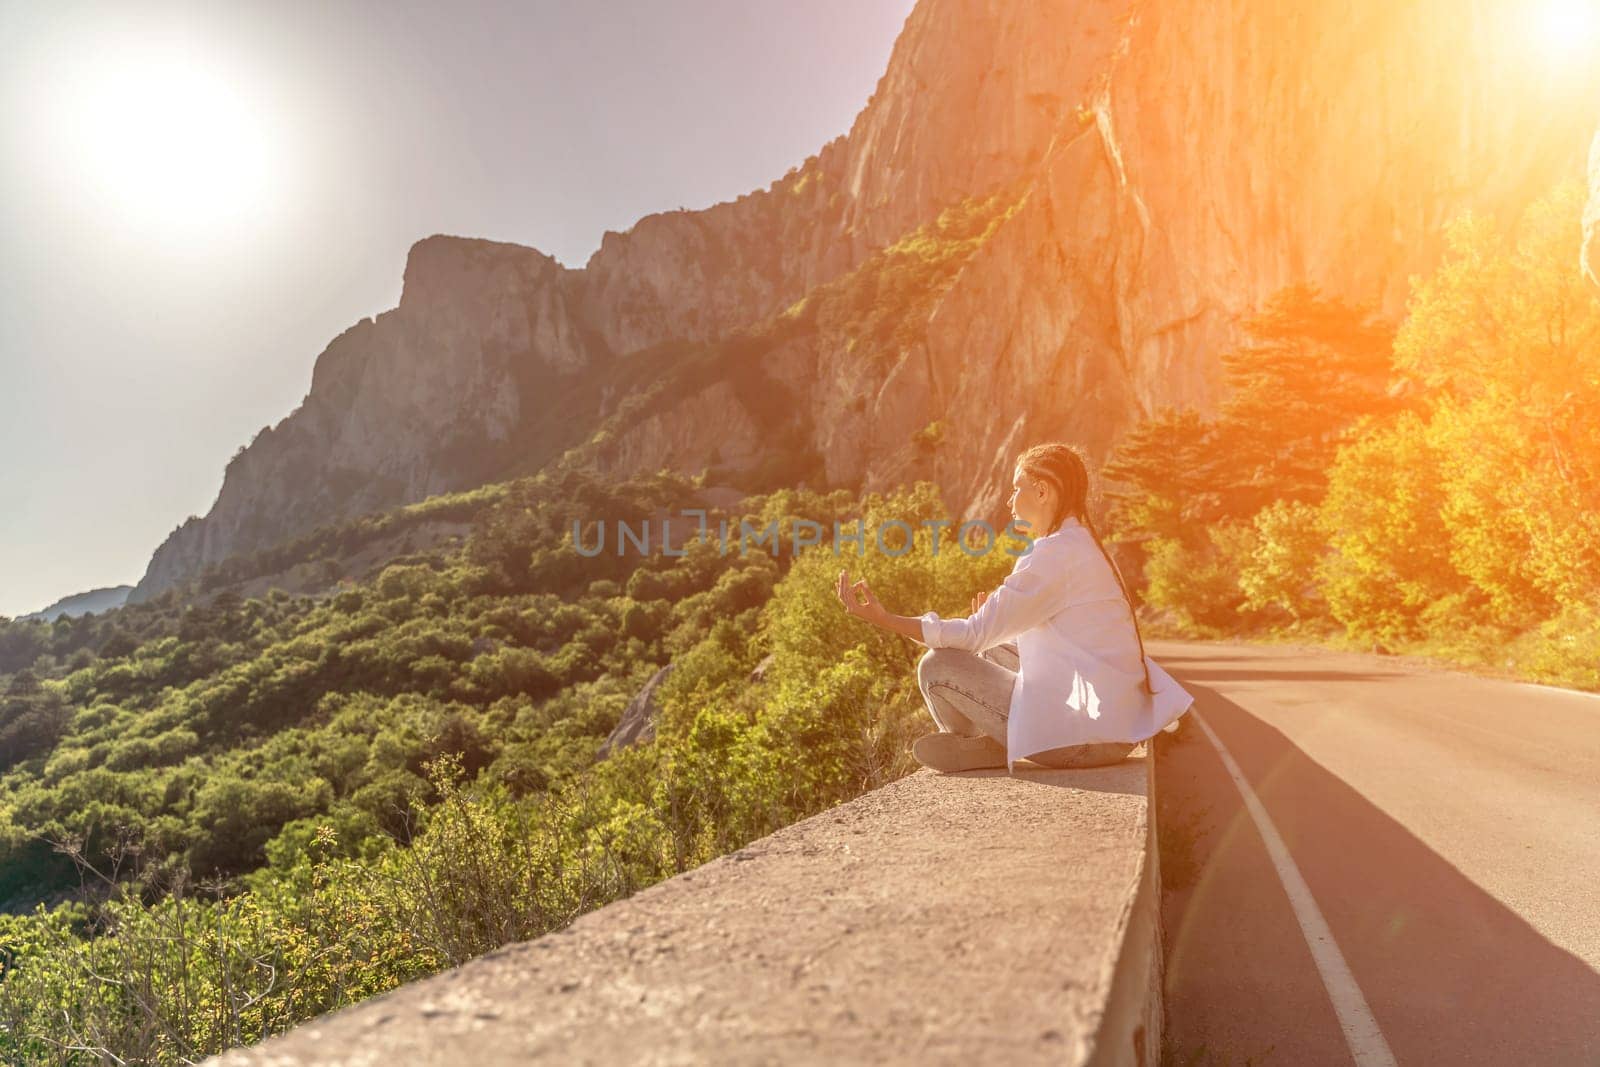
(1567, 31)
(168, 141)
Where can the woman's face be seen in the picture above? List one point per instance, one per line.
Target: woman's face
(1032, 502)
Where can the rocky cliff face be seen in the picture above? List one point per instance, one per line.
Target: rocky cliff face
(1231, 149)
(1167, 167)
(1591, 217)
(422, 399)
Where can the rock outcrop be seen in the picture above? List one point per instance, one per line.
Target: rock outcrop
(425, 398)
(1228, 150)
(1167, 168)
(638, 722)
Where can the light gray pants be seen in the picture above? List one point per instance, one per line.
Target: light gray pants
(968, 693)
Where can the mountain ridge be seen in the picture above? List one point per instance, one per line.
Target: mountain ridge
(92, 601)
(1176, 165)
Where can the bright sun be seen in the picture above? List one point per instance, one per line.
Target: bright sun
(170, 141)
(1567, 30)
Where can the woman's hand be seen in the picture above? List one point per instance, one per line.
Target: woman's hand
(868, 609)
(859, 601)
(977, 602)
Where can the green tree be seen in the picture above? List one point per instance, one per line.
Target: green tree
(1281, 570)
(1383, 518)
(1163, 479)
(1311, 368)
(1506, 338)
(33, 718)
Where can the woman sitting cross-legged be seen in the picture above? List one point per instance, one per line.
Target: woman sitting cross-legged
(1075, 688)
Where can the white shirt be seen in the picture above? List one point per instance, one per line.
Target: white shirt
(1079, 678)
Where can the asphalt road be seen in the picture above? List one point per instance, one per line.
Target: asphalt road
(1444, 827)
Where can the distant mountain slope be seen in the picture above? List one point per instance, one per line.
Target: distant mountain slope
(94, 601)
(1163, 169)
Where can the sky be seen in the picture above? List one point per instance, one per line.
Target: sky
(195, 198)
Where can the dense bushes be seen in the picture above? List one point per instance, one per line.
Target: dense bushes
(375, 785)
(1452, 502)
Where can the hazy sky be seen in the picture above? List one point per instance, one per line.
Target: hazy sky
(196, 198)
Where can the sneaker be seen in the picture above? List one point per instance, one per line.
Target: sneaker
(950, 752)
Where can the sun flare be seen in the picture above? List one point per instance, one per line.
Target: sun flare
(166, 140)
(1567, 31)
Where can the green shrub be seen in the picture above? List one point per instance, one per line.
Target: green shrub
(1384, 523)
(1281, 571)
(1200, 585)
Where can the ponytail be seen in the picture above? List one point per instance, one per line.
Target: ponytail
(1134, 615)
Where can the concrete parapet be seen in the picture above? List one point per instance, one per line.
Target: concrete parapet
(942, 917)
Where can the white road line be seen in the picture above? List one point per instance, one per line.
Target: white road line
(1562, 689)
(1361, 1033)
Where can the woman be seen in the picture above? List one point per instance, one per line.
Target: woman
(1075, 689)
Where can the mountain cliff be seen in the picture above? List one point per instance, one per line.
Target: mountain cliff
(1591, 217)
(1043, 224)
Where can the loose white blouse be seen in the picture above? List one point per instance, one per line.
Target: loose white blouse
(1079, 679)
